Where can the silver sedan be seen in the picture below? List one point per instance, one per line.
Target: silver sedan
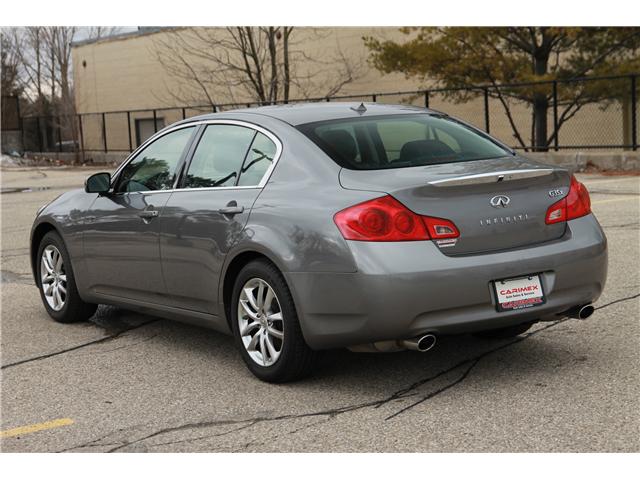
(300, 228)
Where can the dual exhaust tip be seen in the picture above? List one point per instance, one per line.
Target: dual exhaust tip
(422, 343)
(581, 312)
(426, 342)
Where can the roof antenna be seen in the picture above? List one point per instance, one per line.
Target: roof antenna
(360, 110)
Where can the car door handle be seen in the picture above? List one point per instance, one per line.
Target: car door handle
(148, 214)
(231, 210)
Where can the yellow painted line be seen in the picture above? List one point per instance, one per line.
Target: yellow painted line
(36, 427)
(628, 199)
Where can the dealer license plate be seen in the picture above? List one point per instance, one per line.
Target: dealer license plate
(518, 293)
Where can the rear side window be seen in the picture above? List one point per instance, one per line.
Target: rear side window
(260, 157)
(219, 156)
(396, 141)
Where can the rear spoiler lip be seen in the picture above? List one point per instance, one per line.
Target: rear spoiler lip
(493, 177)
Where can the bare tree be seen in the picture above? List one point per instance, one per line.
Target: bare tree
(39, 66)
(10, 65)
(28, 44)
(248, 64)
(96, 33)
(58, 41)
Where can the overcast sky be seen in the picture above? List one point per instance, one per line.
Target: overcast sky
(83, 32)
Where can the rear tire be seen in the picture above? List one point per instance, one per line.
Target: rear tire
(271, 343)
(57, 284)
(506, 332)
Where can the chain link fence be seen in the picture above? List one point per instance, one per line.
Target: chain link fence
(596, 113)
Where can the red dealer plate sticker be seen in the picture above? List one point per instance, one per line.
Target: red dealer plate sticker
(518, 293)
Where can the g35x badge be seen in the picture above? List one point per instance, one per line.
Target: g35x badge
(556, 192)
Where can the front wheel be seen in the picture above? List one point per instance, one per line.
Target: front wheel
(266, 327)
(57, 283)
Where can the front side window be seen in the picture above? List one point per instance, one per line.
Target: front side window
(154, 168)
(396, 141)
(219, 156)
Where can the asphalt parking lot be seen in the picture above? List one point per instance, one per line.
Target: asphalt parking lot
(127, 382)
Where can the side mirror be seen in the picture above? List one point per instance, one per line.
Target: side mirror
(98, 183)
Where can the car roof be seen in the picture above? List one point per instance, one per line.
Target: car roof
(301, 113)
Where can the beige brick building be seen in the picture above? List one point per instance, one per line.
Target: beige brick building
(124, 73)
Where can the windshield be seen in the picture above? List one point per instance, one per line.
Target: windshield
(396, 141)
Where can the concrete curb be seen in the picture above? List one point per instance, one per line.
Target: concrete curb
(580, 161)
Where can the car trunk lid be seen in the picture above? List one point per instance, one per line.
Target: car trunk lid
(496, 204)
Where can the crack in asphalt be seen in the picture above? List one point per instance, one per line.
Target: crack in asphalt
(473, 361)
(128, 345)
(403, 393)
(7, 276)
(624, 299)
(204, 437)
(254, 443)
(21, 249)
(78, 347)
(627, 226)
(13, 255)
(612, 193)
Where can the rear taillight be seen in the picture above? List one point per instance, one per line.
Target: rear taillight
(576, 204)
(385, 219)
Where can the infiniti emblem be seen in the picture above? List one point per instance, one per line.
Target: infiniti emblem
(500, 201)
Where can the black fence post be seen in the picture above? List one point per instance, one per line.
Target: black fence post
(129, 130)
(426, 99)
(81, 134)
(155, 122)
(634, 112)
(20, 123)
(328, 99)
(184, 113)
(59, 134)
(486, 110)
(38, 128)
(215, 108)
(22, 135)
(104, 133)
(374, 97)
(555, 115)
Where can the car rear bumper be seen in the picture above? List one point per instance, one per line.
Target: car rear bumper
(404, 289)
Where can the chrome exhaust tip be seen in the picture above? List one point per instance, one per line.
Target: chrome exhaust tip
(423, 343)
(585, 312)
(581, 312)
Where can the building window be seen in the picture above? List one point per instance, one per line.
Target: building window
(144, 128)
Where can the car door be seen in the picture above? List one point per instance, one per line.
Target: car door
(121, 240)
(205, 217)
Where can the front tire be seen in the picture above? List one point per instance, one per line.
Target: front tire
(57, 284)
(266, 327)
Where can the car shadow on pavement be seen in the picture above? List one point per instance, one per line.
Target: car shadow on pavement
(532, 354)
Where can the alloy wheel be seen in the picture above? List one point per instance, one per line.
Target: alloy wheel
(53, 278)
(260, 322)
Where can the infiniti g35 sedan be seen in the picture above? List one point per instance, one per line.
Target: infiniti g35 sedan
(300, 228)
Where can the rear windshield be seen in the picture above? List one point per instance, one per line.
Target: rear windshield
(396, 141)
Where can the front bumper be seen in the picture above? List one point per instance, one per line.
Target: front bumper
(404, 289)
